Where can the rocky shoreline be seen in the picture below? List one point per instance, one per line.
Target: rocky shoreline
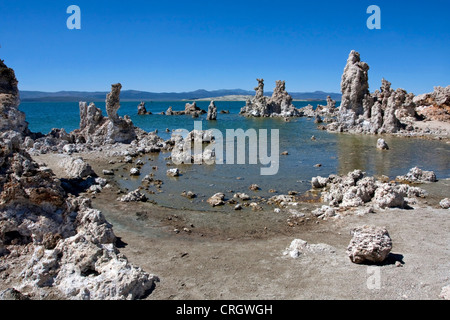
(55, 245)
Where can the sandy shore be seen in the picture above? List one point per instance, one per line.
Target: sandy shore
(239, 255)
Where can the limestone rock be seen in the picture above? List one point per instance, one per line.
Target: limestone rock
(390, 196)
(99, 130)
(417, 175)
(189, 194)
(279, 105)
(12, 294)
(369, 244)
(193, 109)
(10, 116)
(300, 247)
(135, 172)
(142, 110)
(445, 293)
(217, 199)
(72, 246)
(382, 145)
(434, 105)
(212, 112)
(354, 87)
(134, 196)
(173, 172)
(324, 212)
(242, 196)
(445, 203)
(319, 182)
(76, 168)
(383, 111)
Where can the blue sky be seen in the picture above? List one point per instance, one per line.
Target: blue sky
(163, 46)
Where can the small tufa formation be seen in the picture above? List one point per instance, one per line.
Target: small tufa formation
(212, 112)
(97, 130)
(279, 105)
(369, 244)
(189, 109)
(142, 110)
(355, 190)
(445, 203)
(417, 175)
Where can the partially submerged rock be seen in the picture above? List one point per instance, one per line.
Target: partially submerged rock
(142, 110)
(355, 190)
(98, 130)
(279, 105)
(445, 203)
(212, 112)
(385, 110)
(382, 145)
(217, 199)
(135, 172)
(369, 244)
(417, 175)
(189, 194)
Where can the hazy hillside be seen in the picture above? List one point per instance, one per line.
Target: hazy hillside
(134, 95)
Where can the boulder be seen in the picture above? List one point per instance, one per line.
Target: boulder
(445, 203)
(278, 105)
(76, 168)
(369, 244)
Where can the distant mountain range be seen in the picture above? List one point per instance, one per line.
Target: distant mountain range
(134, 95)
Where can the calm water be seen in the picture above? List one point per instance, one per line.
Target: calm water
(337, 153)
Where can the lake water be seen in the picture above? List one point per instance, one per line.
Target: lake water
(335, 152)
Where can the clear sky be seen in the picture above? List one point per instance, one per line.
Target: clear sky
(174, 46)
